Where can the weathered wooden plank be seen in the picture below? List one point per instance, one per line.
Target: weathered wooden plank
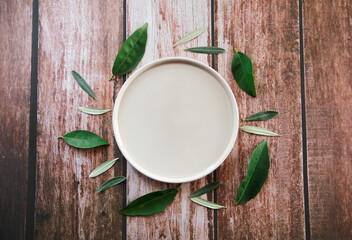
(168, 22)
(268, 32)
(15, 75)
(327, 35)
(83, 36)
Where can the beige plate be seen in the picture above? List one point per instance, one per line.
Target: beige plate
(175, 120)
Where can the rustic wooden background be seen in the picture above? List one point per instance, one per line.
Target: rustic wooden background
(302, 56)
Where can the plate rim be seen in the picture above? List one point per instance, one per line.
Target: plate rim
(216, 163)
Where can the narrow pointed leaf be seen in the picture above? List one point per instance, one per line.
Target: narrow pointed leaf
(93, 111)
(151, 203)
(83, 139)
(190, 36)
(256, 175)
(262, 116)
(83, 84)
(103, 167)
(259, 131)
(206, 203)
(131, 52)
(206, 50)
(242, 71)
(110, 183)
(206, 189)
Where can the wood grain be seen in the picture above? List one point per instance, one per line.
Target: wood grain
(168, 22)
(84, 36)
(269, 34)
(328, 83)
(15, 75)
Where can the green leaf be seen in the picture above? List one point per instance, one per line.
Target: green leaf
(83, 139)
(259, 131)
(256, 175)
(110, 183)
(93, 111)
(207, 50)
(242, 71)
(83, 84)
(206, 203)
(205, 189)
(190, 36)
(103, 167)
(262, 116)
(151, 203)
(131, 52)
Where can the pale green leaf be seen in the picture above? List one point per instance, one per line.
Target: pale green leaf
(206, 203)
(259, 131)
(93, 111)
(103, 167)
(190, 36)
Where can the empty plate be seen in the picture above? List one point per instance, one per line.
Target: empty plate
(175, 120)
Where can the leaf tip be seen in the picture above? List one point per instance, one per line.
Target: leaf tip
(60, 137)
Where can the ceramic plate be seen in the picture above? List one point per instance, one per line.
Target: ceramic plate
(175, 120)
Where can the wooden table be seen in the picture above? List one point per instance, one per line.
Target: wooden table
(302, 60)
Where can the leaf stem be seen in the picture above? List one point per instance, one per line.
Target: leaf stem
(60, 137)
(179, 186)
(111, 77)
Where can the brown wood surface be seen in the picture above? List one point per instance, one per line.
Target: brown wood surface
(83, 36)
(328, 62)
(15, 77)
(168, 22)
(269, 35)
(86, 35)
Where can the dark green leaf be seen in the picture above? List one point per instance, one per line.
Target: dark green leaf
(205, 189)
(190, 36)
(207, 50)
(259, 131)
(151, 203)
(110, 183)
(262, 116)
(83, 139)
(257, 173)
(206, 203)
(242, 71)
(103, 167)
(131, 52)
(93, 111)
(83, 84)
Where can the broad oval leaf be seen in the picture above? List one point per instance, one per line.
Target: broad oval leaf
(259, 131)
(131, 52)
(242, 71)
(206, 50)
(83, 139)
(257, 173)
(93, 111)
(110, 183)
(206, 203)
(103, 167)
(190, 36)
(262, 116)
(206, 189)
(83, 84)
(151, 203)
